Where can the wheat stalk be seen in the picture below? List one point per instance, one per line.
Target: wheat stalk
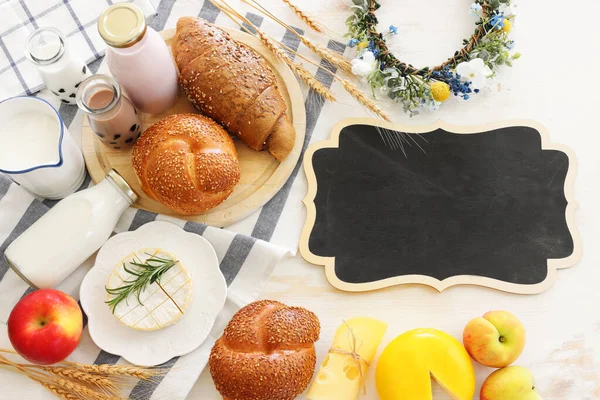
(83, 391)
(276, 50)
(310, 21)
(119, 370)
(84, 377)
(363, 99)
(298, 70)
(352, 90)
(59, 392)
(334, 58)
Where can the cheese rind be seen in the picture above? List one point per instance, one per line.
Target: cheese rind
(161, 303)
(339, 377)
(407, 365)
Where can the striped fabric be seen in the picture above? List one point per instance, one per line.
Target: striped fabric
(248, 250)
(245, 262)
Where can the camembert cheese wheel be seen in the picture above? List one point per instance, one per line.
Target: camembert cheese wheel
(339, 377)
(161, 303)
(407, 365)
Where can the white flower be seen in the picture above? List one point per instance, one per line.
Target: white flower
(474, 71)
(476, 10)
(509, 10)
(365, 65)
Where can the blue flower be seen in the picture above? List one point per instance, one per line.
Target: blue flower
(374, 49)
(497, 21)
(510, 45)
(393, 30)
(353, 42)
(476, 10)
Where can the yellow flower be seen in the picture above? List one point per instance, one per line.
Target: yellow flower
(507, 26)
(362, 45)
(440, 91)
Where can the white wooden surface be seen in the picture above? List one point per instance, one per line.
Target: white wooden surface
(555, 84)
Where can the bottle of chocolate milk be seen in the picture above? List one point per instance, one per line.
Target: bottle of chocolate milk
(112, 116)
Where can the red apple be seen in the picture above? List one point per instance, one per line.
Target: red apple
(45, 326)
(495, 340)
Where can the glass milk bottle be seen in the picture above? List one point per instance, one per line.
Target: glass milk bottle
(112, 117)
(63, 238)
(61, 70)
(138, 58)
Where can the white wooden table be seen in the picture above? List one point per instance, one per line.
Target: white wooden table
(553, 83)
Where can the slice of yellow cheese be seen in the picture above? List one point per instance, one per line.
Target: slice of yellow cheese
(339, 377)
(408, 363)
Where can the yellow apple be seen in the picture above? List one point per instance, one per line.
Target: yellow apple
(495, 340)
(510, 383)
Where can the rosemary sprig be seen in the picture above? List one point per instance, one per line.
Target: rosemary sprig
(146, 273)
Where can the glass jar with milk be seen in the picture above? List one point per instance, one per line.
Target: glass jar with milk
(63, 238)
(60, 68)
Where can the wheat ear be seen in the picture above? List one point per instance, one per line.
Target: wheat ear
(59, 392)
(119, 370)
(83, 391)
(84, 377)
(351, 89)
(334, 58)
(298, 70)
(309, 20)
(276, 50)
(328, 54)
(363, 99)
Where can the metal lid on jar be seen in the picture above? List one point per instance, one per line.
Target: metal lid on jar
(122, 25)
(122, 184)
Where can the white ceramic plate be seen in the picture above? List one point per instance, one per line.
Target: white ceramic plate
(155, 347)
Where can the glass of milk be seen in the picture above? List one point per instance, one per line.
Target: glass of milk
(60, 68)
(36, 149)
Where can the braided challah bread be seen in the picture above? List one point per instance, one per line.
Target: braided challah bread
(267, 352)
(233, 84)
(187, 162)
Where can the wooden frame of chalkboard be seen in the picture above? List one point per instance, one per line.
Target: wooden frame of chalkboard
(329, 262)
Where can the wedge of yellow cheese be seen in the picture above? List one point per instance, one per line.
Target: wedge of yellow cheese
(339, 377)
(407, 365)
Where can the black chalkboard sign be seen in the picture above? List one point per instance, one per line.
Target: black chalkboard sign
(489, 205)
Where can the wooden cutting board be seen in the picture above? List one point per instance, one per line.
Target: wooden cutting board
(261, 175)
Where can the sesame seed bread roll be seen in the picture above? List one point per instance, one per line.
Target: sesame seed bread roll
(267, 352)
(234, 85)
(187, 162)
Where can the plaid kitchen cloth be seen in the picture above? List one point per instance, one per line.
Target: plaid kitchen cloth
(76, 19)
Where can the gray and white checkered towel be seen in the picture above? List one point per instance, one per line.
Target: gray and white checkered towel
(76, 19)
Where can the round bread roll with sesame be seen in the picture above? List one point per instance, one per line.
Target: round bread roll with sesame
(267, 352)
(187, 162)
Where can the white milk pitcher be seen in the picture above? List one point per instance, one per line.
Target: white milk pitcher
(36, 150)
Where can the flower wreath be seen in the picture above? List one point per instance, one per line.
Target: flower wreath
(463, 74)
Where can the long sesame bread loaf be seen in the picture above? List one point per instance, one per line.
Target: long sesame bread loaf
(267, 352)
(187, 162)
(231, 83)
